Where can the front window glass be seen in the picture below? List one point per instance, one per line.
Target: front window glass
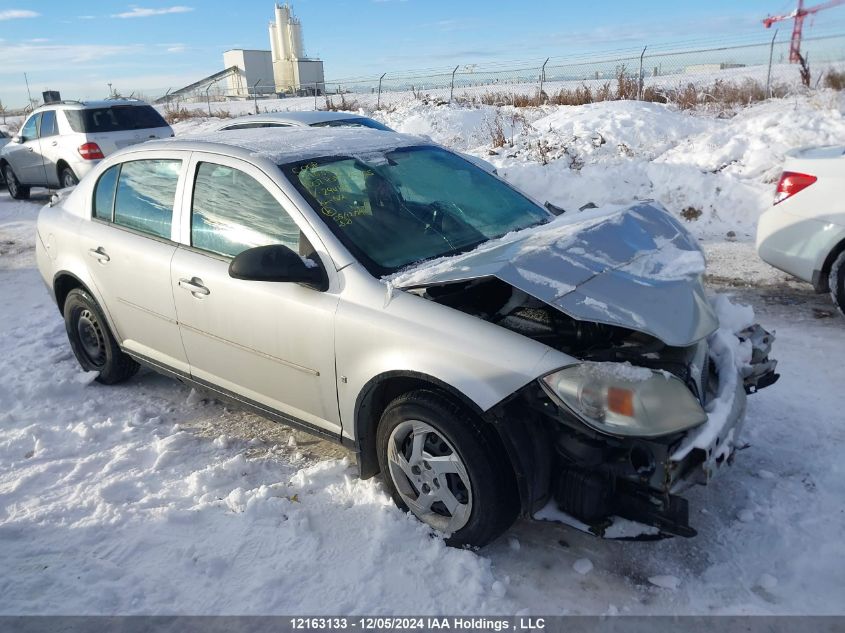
(146, 190)
(29, 131)
(231, 212)
(114, 119)
(396, 208)
(354, 122)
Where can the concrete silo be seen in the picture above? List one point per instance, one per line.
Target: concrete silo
(292, 70)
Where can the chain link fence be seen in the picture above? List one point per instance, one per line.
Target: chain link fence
(689, 77)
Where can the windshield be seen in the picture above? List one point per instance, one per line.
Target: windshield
(114, 119)
(354, 122)
(393, 209)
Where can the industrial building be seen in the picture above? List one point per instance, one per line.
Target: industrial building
(283, 70)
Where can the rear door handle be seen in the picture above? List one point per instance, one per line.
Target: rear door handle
(99, 254)
(195, 287)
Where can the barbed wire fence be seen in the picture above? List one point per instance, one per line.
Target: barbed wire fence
(651, 75)
(689, 77)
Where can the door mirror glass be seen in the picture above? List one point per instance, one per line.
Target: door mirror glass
(277, 262)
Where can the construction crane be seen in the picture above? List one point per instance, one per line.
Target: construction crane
(799, 15)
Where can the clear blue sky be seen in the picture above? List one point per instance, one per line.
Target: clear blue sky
(152, 45)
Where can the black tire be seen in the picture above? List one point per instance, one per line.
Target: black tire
(67, 178)
(494, 500)
(16, 189)
(836, 280)
(92, 342)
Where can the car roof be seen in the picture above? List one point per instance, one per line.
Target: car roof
(292, 144)
(305, 117)
(89, 105)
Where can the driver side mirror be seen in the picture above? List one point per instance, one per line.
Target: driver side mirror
(18, 138)
(277, 262)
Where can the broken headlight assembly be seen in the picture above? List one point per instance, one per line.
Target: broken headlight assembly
(621, 399)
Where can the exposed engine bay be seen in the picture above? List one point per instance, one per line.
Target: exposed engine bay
(498, 302)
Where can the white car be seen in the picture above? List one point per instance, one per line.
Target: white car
(803, 233)
(377, 289)
(61, 142)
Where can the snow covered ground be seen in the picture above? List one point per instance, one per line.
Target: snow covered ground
(150, 498)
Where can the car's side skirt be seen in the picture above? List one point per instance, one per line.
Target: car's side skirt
(246, 403)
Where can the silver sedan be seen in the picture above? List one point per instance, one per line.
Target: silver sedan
(487, 358)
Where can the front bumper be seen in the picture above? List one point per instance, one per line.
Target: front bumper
(629, 489)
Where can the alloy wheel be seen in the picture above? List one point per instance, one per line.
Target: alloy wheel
(430, 476)
(11, 182)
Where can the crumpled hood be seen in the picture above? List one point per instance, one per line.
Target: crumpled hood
(636, 268)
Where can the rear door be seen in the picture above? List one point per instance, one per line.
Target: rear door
(270, 343)
(128, 246)
(48, 137)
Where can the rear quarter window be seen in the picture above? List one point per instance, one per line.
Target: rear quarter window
(104, 194)
(114, 119)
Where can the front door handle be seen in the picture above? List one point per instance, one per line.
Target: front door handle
(195, 287)
(99, 254)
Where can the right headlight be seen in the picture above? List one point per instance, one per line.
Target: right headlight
(621, 399)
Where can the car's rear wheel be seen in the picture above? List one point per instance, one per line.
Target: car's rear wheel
(92, 341)
(16, 189)
(443, 464)
(67, 178)
(836, 281)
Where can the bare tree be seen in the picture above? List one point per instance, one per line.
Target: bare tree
(804, 70)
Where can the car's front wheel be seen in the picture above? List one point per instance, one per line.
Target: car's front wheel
(16, 189)
(67, 178)
(444, 465)
(92, 341)
(836, 281)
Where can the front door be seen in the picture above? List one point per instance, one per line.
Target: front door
(128, 248)
(268, 342)
(25, 157)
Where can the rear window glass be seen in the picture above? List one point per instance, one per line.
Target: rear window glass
(355, 122)
(250, 126)
(114, 119)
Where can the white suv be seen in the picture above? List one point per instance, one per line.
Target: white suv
(61, 142)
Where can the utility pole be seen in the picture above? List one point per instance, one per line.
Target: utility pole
(28, 94)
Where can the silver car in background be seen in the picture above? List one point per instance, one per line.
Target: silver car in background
(316, 118)
(488, 359)
(59, 143)
(322, 119)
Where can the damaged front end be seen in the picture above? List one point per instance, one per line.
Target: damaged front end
(654, 398)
